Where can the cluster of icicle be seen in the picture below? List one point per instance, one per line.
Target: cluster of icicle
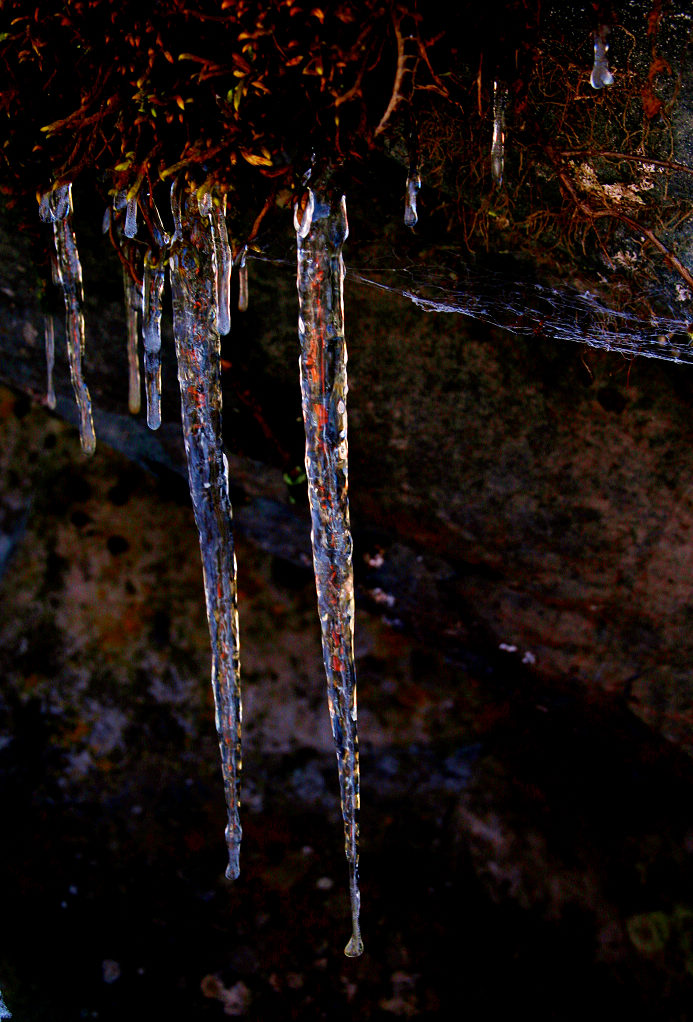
(199, 260)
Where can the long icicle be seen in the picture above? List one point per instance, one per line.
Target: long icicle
(193, 286)
(56, 208)
(321, 231)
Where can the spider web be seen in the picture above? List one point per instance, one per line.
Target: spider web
(530, 308)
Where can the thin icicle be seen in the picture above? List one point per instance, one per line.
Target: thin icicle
(243, 281)
(152, 295)
(130, 228)
(49, 335)
(411, 215)
(133, 305)
(56, 208)
(153, 278)
(321, 232)
(500, 101)
(601, 75)
(224, 264)
(199, 373)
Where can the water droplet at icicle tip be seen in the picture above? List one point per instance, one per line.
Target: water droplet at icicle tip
(321, 230)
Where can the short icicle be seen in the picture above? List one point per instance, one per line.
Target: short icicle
(411, 216)
(224, 264)
(153, 279)
(601, 75)
(56, 208)
(49, 336)
(243, 281)
(321, 230)
(154, 276)
(192, 265)
(500, 102)
(133, 306)
(411, 192)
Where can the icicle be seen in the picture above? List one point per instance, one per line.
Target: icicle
(130, 228)
(500, 101)
(56, 208)
(49, 334)
(320, 235)
(4, 1010)
(199, 373)
(224, 264)
(133, 305)
(411, 216)
(601, 75)
(243, 281)
(152, 294)
(153, 278)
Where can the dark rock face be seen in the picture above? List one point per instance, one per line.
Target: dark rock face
(515, 828)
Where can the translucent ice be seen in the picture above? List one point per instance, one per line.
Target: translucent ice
(133, 305)
(130, 228)
(500, 101)
(4, 1010)
(49, 336)
(56, 208)
(324, 392)
(192, 265)
(412, 190)
(224, 264)
(153, 279)
(243, 282)
(601, 75)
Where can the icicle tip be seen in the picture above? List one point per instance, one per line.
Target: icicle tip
(354, 948)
